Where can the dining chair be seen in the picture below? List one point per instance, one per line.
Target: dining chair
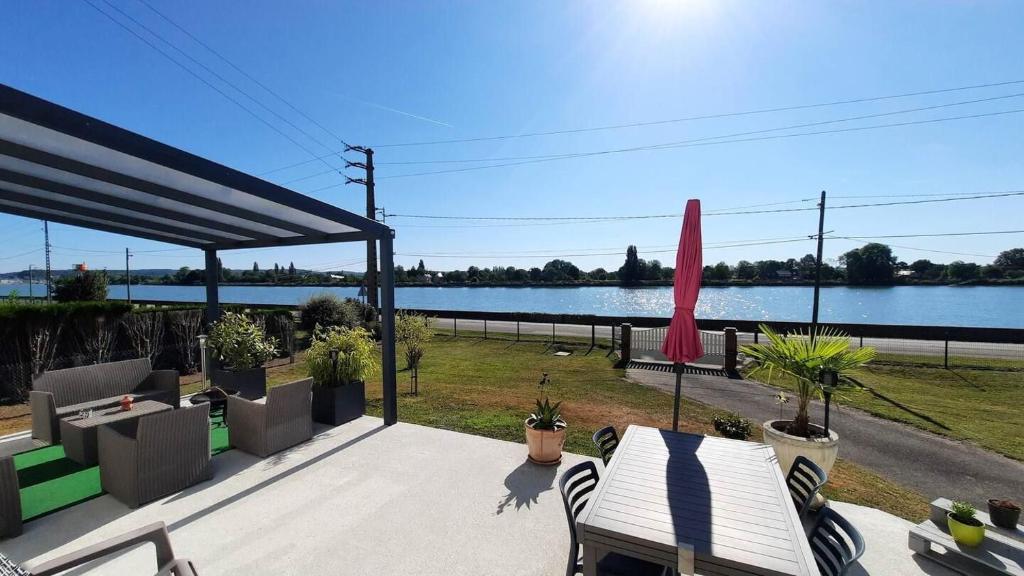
(576, 485)
(804, 480)
(607, 440)
(835, 543)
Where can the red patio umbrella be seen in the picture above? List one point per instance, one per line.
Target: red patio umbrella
(682, 342)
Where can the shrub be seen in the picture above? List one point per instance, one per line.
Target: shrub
(325, 310)
(413, 332)
(733, 427)
(84, 287)
(357, 356)
(186, 326)
(240, 343)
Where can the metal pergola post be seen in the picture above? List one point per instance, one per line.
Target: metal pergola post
(387, 315)
(212, 295)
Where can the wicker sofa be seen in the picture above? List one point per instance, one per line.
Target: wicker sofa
(150, 457)
(59, 393)
(281, 421)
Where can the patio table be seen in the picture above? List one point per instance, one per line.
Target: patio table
(78, 434)
(695, 503)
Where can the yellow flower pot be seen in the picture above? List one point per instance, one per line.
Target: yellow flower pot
(966, 534)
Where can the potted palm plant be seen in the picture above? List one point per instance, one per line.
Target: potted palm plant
(963, 526)
(340, 359)
(545, 434)
(818, 363)
(240, 347)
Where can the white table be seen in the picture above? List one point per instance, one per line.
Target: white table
(692, 502)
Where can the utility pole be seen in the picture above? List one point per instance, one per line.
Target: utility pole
(128, 276)
(371, 213)
(817, 264)
(46, 244)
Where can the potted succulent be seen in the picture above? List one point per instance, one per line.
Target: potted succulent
(963, 526)
(240, 347)
(1004, 513)
(817, 362)
(545, 434)
(340, 359)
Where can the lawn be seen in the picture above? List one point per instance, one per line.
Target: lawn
(981, 405)
(487, 387)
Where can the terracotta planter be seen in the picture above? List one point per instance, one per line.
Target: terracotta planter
(338, 405)
(545, 446)
(822, 451)
(966, 534)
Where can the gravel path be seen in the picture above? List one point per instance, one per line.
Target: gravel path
(928, 463)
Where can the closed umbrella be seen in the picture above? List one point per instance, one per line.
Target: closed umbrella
(682, 342)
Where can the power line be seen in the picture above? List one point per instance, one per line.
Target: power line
(246, 74)
(923, 249)
(22, 254)
(688, 144)
(200, 78)
(937, 235)
(733, 135)
(591, 219)
(615, 253)
(703, 117)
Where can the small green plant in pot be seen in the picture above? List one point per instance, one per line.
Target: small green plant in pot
(545, 433)
(240, 347)
(963, 526)
(339, 360)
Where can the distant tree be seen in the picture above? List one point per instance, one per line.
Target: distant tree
(518, 275)
(1010, 260)
(961, 271)
(560, 271)
(472, 273)
(806, 266)
(220, 271)
(768, 269)
(667, 273)
(631, 271)
(420, 268)
(745, 270)
(926, 269)
(400, 275)
(536, 274)
(84, 287)
(721, 272)
(653, 270)
(598, 274)
(992, 272)
(291, 268)
(456, 276)
(870, 264)
(255, 267)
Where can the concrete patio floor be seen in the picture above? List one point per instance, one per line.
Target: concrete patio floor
(367, 499)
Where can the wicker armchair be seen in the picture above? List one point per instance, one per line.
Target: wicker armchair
(149, 457)
(282, 421)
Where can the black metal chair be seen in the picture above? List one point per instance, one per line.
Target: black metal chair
(804, 480)
(607, 440)
(835, 543)
(576, 484)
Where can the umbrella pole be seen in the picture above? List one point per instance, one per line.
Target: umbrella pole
(675, 404)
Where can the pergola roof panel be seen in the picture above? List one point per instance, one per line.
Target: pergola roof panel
(59, 162)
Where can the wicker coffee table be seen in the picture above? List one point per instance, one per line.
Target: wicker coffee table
(78, 435)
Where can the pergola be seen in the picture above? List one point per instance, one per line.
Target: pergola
(62, 166)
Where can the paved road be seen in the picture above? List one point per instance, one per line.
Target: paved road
(883, 345)
(920, 460)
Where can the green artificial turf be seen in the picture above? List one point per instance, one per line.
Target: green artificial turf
(50, 482)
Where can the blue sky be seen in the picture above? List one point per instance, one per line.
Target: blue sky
(378, 73)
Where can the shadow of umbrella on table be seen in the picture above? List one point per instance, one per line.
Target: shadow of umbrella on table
(682, 341)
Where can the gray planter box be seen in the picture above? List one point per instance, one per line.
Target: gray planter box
(251, 384)
(336, 406)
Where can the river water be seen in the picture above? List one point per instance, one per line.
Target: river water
(991, 306)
